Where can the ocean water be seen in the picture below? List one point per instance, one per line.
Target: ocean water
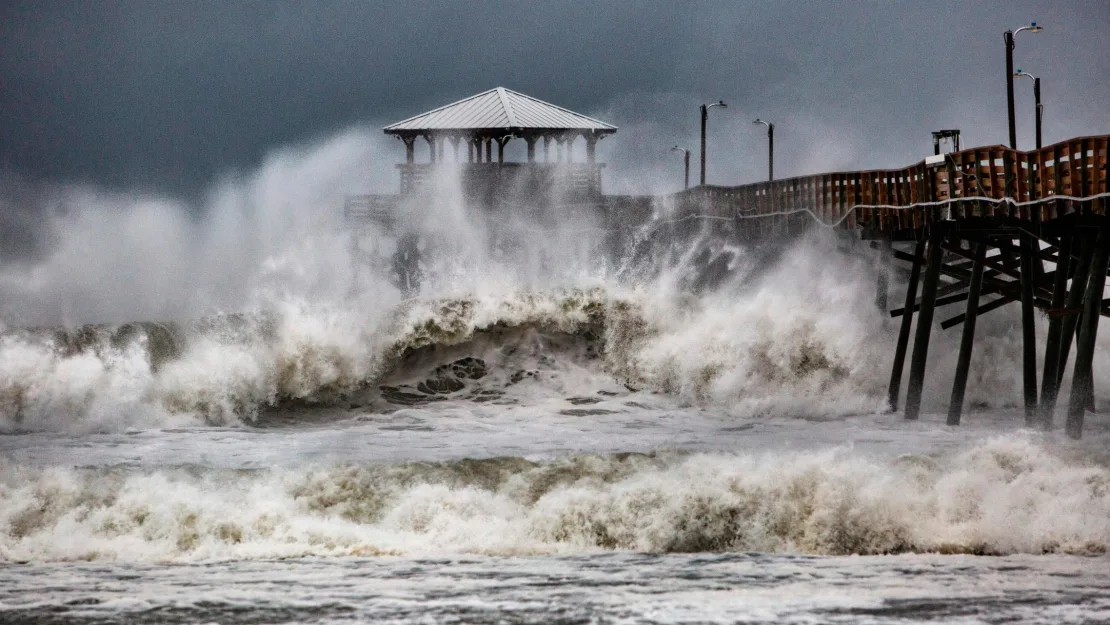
(678, 431)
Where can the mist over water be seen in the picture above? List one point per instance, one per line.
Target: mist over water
(254, 311)
(261, 298)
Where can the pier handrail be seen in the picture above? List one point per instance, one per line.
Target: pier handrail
(962, 183)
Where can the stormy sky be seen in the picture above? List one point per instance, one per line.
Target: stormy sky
(169, 95)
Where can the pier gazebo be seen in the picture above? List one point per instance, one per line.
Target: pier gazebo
(495, 117)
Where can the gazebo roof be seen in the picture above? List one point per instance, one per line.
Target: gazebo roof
(502, 110)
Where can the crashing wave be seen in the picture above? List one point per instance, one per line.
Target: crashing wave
(227, 369)
(803, 338)
(232, 369)
(1006, 495)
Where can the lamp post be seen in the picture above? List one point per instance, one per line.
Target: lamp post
(770, 148)
(1008, 38)
(686, 161)
(1038, 110)
(704, 116)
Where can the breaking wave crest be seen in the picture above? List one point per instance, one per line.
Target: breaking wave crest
(230, 369)
(225, 370)
(801, 339)
(1006, 495)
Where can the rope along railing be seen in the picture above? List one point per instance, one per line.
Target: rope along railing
(1039, 185)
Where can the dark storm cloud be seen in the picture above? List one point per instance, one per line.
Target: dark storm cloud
(25, 210)
(167, 95)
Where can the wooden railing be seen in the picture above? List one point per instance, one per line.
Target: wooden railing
(959, 184)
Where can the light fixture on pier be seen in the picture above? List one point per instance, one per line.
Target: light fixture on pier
(704, 116)
(1038, 110)
(770, 147)
(1008, 38)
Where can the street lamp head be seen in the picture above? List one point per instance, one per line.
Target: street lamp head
(720, 104)
(678, 149)
(760, 121)
(1026, 74)
(1031, 28)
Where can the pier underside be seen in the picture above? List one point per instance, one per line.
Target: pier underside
(969, 267)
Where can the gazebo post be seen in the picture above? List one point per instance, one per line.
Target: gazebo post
(531, 148)
(591, 147)
(454, 139)
(431, 148)
(547, 148)
(410, 148)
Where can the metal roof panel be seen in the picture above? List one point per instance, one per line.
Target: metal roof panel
(499, 109)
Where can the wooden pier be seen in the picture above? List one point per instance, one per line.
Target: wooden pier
(983, 222)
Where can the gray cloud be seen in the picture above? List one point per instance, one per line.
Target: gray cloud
(171, 95)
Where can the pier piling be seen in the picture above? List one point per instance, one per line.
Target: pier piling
(1070, 323)
(904, 330)
(882, 284)
(1085, 348)
(967, 340)
(925, 322)
(1050, 381)
(1028, 248)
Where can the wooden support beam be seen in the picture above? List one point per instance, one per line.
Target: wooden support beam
(1050, 381)
(1075, 300)
(940, 301)
(984, 309)
(1081, 386)
(967, 340)
(947, 289)
(904, 331)
(968, 263)
(1009, 268)
(925, 322)
(882, 281)
(1003, 264)
(1028, 330)
(999, 285)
